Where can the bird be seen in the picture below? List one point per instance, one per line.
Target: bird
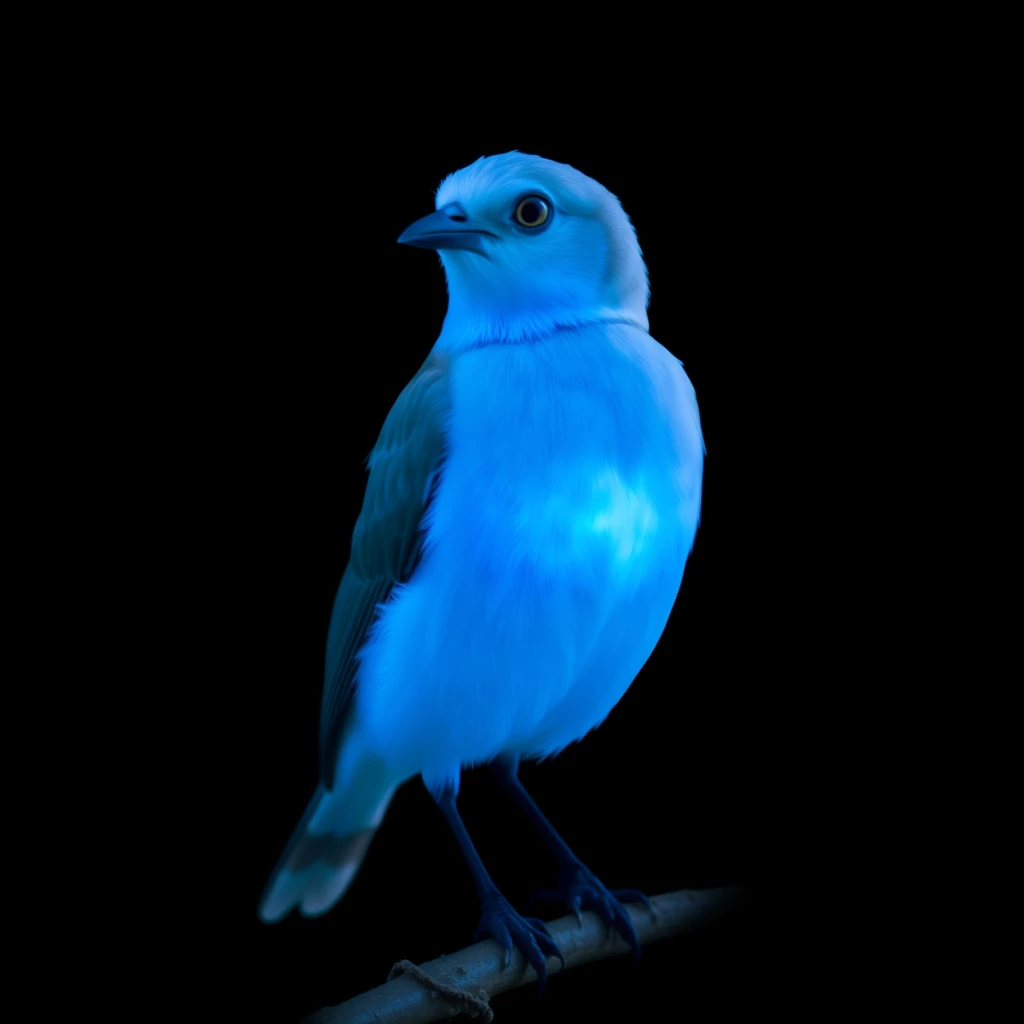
(532, 500)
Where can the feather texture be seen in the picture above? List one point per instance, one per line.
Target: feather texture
(532, 500)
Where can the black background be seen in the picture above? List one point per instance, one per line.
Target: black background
(290, 322)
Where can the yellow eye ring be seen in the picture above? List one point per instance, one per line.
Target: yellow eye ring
(532, 212)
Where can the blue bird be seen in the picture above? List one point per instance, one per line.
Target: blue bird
(532, 500)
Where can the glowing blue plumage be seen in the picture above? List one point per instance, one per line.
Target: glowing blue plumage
(532, 501)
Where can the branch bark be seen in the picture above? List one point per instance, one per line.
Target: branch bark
(478, 969)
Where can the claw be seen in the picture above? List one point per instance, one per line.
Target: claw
(580, 891)
(530, 935)
(544, 940)
(542, 978)
(499, 932)
(536, 959)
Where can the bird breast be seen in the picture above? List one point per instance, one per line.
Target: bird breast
(581, 453)
(567, 505)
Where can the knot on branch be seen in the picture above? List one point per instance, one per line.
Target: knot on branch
(475, 1006)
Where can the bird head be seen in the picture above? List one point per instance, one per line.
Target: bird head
(528, 246)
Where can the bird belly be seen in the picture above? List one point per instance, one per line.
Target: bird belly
(554, 549)
(501, 645)
(629, 633)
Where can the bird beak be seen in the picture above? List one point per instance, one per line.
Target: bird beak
(448, 228)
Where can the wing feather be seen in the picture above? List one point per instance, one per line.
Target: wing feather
(387, 540)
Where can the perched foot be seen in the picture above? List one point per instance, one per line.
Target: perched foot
(499, 921)
(579, 890)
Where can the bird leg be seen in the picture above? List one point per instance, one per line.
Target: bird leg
(577, 887)
(497, 918)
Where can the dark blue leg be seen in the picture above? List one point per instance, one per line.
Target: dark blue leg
(497, 918)
(577, 887)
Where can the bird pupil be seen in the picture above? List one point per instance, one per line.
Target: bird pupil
(531, 212)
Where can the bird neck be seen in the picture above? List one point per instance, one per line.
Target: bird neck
(464, 328)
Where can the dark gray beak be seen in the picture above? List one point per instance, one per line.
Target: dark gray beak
(447, 228)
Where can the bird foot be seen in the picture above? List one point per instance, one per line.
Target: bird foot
(499, 921)
(580, 890)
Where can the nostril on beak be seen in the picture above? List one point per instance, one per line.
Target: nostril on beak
(460, 217)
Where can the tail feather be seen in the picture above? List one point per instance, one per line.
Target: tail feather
(328, 845)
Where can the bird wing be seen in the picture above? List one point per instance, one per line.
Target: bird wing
(387, 540)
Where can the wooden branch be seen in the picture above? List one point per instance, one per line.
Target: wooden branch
(478, 970)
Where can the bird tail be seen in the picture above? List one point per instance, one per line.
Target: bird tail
(329, 843)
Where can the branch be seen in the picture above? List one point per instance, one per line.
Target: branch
(477, 970)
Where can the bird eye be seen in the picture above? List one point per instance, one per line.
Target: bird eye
(532, 211)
